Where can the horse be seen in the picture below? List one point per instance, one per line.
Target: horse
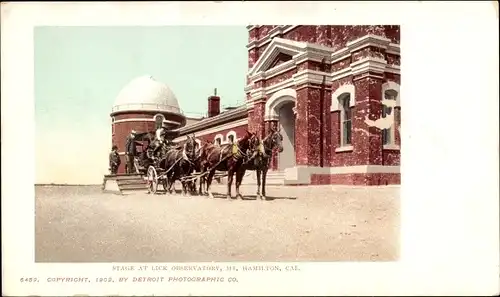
(198, 166)
(227, 157)
(259, 162)
(178, 161)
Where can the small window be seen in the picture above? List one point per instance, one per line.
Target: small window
(231, 138)
(218, 141)
(387, 135)
(159, 118)
(346, 119)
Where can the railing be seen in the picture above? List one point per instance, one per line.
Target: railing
(148, 106)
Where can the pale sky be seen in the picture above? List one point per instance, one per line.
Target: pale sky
(80, 70)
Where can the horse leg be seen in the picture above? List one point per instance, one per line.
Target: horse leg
(230, 174)
(264, 174)
(258, 182)
(171, 181)
(239, 178)
(200, 189)
(209, 182)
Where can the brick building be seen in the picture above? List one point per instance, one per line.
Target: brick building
(139, 106)
(319, 85)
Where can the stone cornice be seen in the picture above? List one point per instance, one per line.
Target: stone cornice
(366, 65)
(271, 34)
(251, 27)
(312, 76)
(300, 51)
(365, 41)
(262, 92)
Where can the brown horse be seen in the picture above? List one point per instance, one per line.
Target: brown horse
(178, 162)
(259, 162)
(199, 166)
(230, 158)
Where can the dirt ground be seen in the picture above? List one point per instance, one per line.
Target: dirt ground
(317, 223)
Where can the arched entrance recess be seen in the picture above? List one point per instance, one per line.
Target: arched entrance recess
(280, 108)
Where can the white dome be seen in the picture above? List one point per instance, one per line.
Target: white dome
(146, 94)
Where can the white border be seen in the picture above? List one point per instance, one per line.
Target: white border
(449, 228)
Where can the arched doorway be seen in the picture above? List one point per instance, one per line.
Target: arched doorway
(286, 159)
(279, 108)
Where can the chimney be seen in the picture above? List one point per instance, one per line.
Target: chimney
(213, 104)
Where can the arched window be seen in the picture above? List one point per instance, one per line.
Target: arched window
(218, 139)
(112, 126)
(387, 111)
(159, 119)
(231, 136)
(391, 111)
(345, 119)
(343, 101)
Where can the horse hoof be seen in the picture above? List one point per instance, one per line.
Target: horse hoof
(239, 197)
(263, 197)
(229, 197)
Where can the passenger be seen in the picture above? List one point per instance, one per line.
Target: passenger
(114, 160)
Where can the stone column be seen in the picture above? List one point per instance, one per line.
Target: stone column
(307, 126)
(367, 141)
(258, 117)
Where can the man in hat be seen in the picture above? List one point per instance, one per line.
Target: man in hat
(114, 160)
(159, 140)
(131, 151)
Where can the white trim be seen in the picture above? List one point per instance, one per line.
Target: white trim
(302, 174)
(367, 64)
(235, 137)
(248, 88)
(312, 76)
(164, 108)
(276, 101)
(368, 40)
(144, 120)
(300, 51)
(262, 92)
(282, 29)
(219, 128)
(346, 148)
(316, 56)
(365, 41)
(275, 71)
(343, 89)
(219, 136)
(391, 85)
(391, 147)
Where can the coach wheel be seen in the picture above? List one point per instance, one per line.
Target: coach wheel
(152, 180)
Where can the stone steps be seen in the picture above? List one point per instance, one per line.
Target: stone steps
(124, 183)
(272, 178)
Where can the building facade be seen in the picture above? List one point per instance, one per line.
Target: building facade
(321, 86)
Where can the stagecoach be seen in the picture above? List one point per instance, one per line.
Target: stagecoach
(150, 166)
(157, 171)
